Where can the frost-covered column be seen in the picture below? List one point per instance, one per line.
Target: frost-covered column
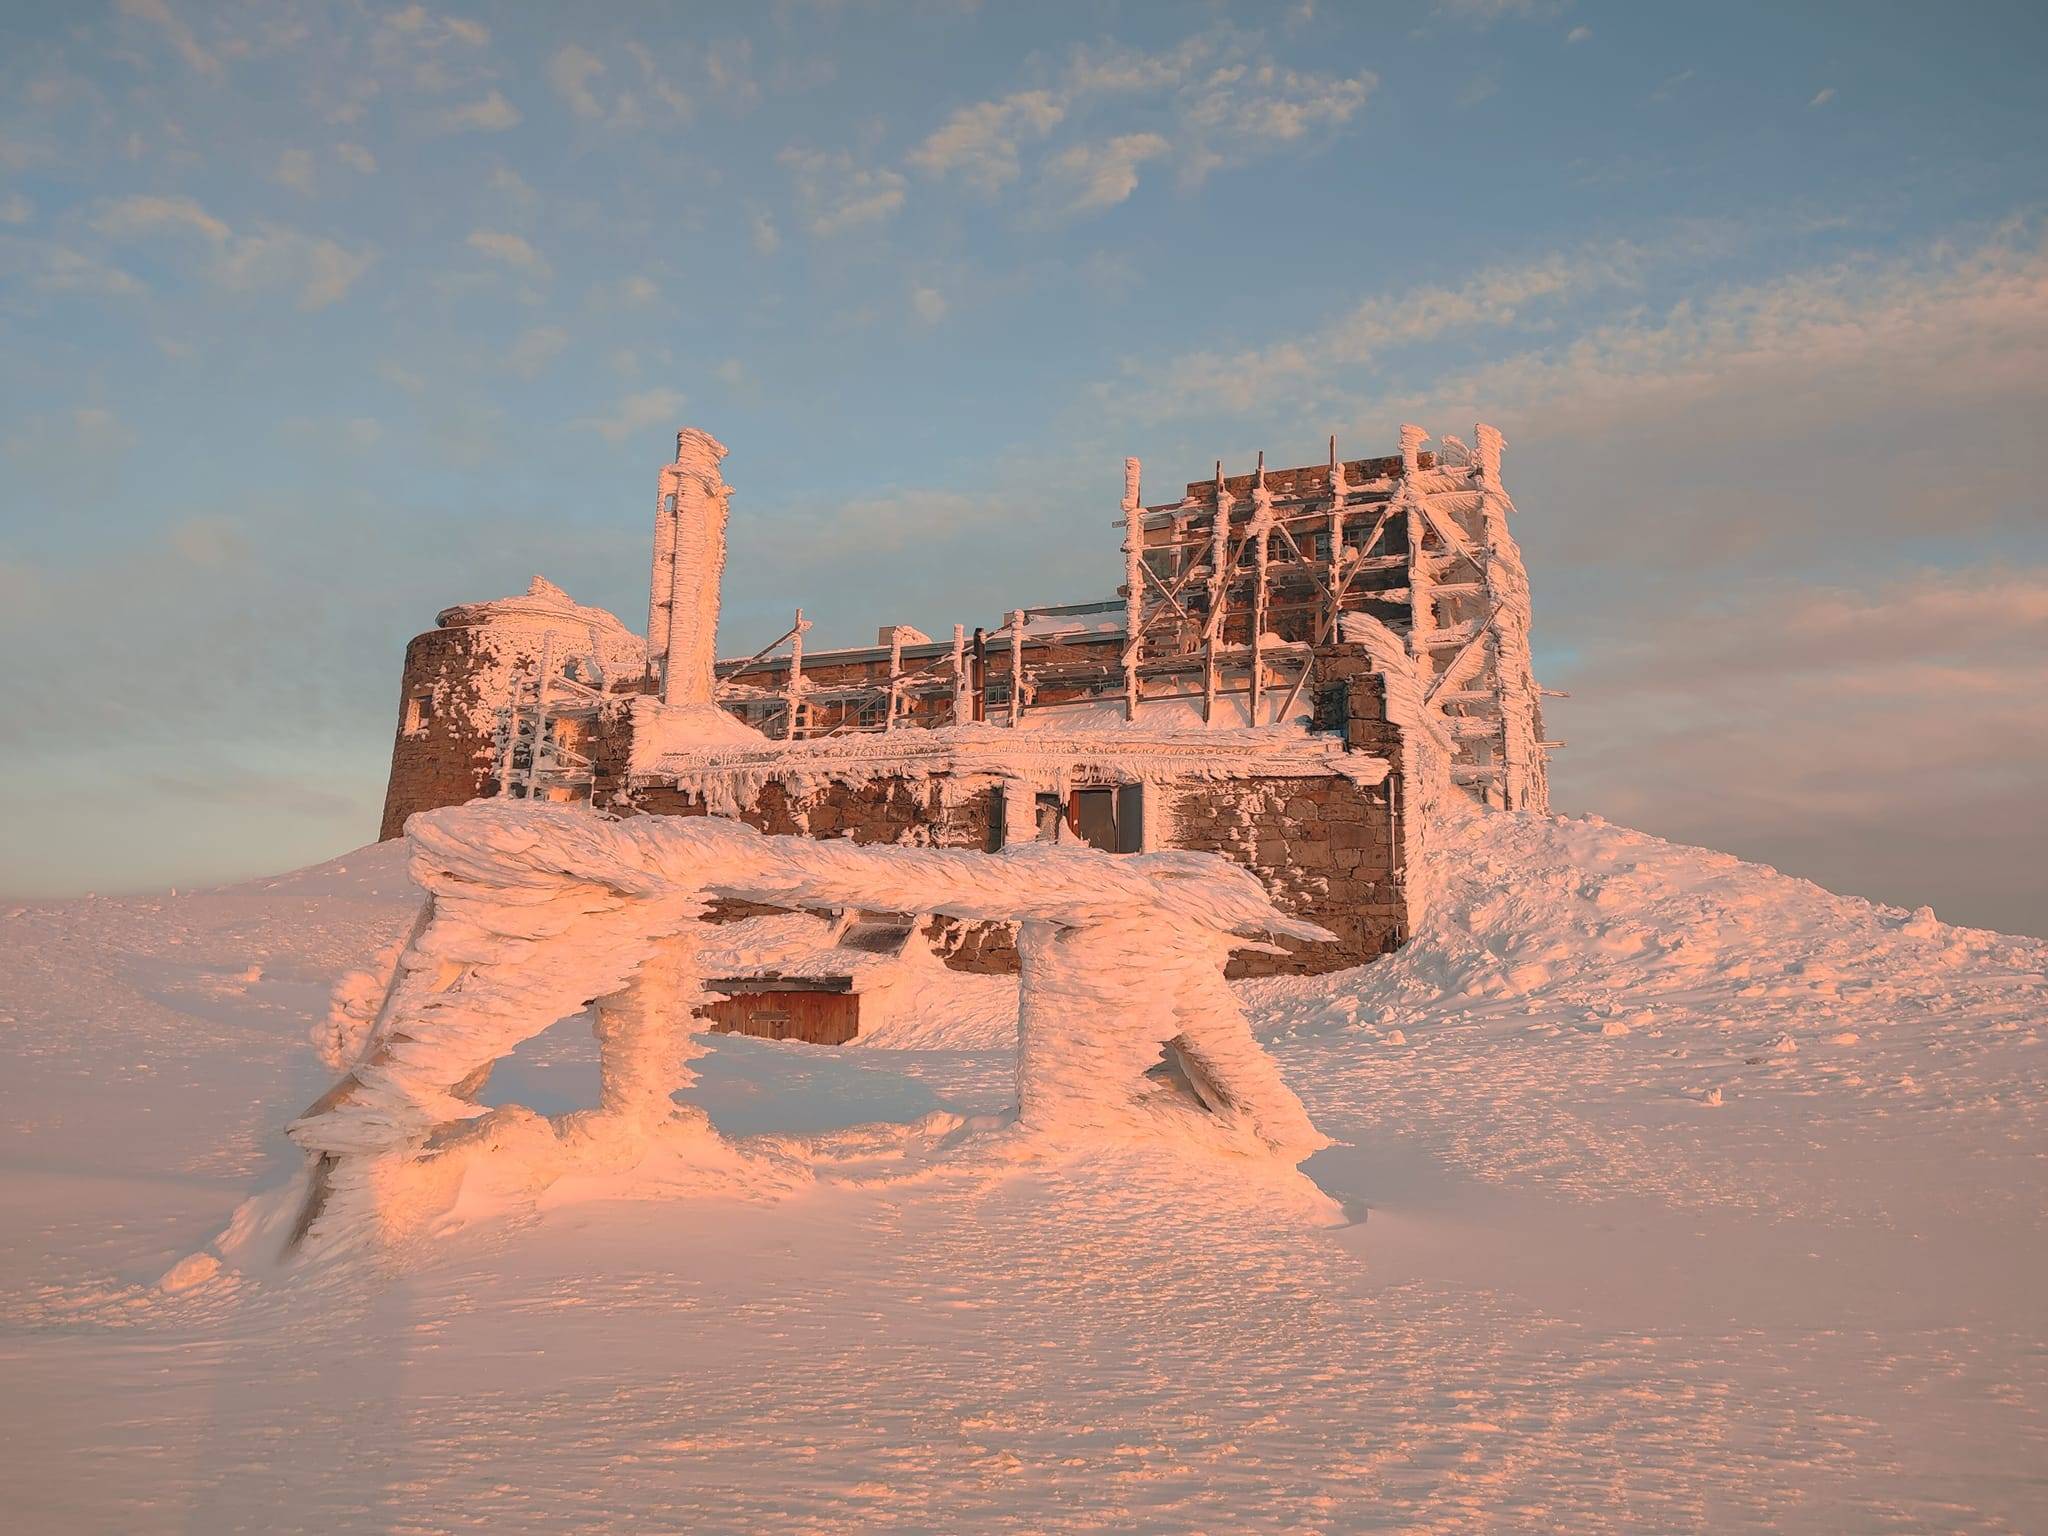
(793, 694)
(1016, 664)
(1100, 1005)
(689, 563)
(1339, 494)
(962, 709)
(1421, 602)
(1525, 780)
(1134, 589)
(1219, 586)
(1260, 531)
(647, 1034)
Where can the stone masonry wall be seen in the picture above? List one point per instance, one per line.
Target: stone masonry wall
(445, 761)
(1324, 847)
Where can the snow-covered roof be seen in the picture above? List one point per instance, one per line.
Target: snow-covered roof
(542, 602)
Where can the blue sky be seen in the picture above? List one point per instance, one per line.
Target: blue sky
(317, 318)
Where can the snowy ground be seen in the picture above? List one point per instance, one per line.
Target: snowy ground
(1685, 1196)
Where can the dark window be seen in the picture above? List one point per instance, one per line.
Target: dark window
(1094, 818)
(1130, 818)
(998, 819)
(1049, 812)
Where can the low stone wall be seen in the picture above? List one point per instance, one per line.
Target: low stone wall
(1323, 845)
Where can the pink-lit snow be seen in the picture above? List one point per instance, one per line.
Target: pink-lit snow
(1680, 1194)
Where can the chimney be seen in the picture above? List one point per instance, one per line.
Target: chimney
(689, 562)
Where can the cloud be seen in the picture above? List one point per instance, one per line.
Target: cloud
(274, 257)
(1946, 326)
(928, 304)
(1213, 105)
(1823, 96)
(271, 256)
(1295, 368)
(1484, 13)
(493, 114)
(128, 217)
(49, 267)
(1882, 736)
(581, 79)
(1579, 35)
(1245, 107)
(1091, 176)
(295, 169)
(535, 349)
(513, 250)
(870, 526)
(16, 209)
(836, 195)
(570, 72)
(427, 30)
(641, 412)
(515, 189)
(180, 36)
(356, 158)
(980, 142)
(762, 234)
(1667, 88)
(635, 291)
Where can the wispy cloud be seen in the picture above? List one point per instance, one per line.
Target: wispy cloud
(535, 349)
(1090, 176)
(51, 267)
(1208, 102)
(295, 169)
(268, 256)
(1765, 717)
(1280, 371)
(636, 413)
(176, 33)
(586, 86)
(1822, 96)
(981, 142)
(513, 250)
(836, 194)
(491, 114)
(145, 214)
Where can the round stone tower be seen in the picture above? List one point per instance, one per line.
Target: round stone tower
(459, 681)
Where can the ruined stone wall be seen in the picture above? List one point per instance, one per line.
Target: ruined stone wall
(1324, 847)
(886, 810)
(438, 755)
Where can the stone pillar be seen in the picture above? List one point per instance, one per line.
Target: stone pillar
(689, 564)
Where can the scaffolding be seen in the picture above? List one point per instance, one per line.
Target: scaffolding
(1231, 591)
(547, 722)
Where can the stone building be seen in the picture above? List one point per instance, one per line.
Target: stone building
(1299, 665)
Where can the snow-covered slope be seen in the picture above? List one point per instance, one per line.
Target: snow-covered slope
(1698, 1198)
